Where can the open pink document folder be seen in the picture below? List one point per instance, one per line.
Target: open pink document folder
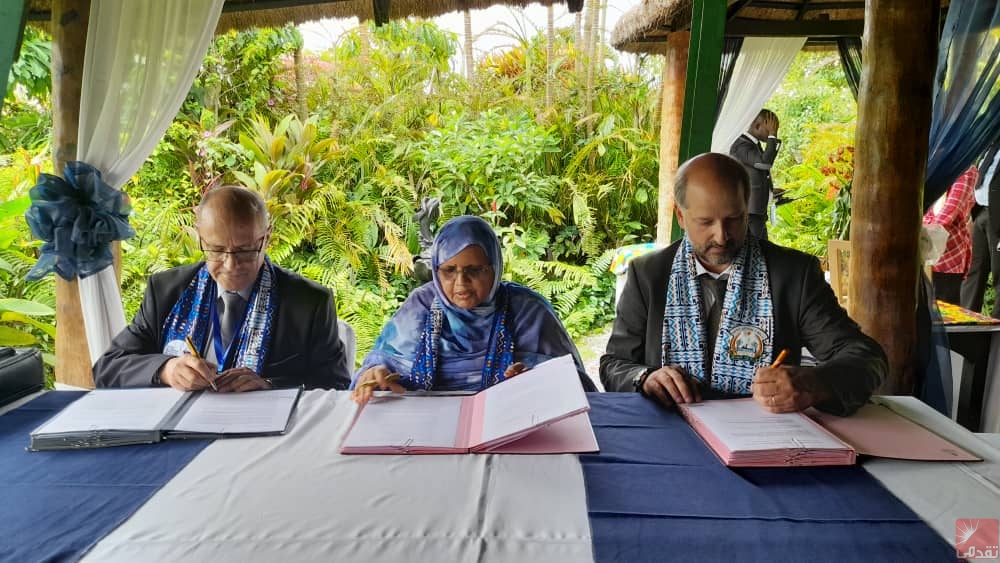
(743, 434)
(543, 410)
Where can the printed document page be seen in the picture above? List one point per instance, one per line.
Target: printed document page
(401, 421)
(549, 391)
(115, 409)
(742, 425)
(256, 412)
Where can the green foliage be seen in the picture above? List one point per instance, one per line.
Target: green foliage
(816, 162)
(32, 70)
(390, 123)
(26, 308)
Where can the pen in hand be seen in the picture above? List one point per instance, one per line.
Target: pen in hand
(194, 352)
(780, 358)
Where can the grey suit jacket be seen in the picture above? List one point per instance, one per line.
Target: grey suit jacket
(305, 348)
(758, 164)
(806, 313)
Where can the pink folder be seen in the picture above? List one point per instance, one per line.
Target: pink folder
(877, 430)
(543, 410)
(742, 434)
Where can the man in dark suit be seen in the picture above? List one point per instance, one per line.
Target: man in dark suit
(234, 322)
(708, 315)
(757, 160)
(985, 236)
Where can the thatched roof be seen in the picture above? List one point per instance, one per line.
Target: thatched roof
(644, 29)
(241, 14)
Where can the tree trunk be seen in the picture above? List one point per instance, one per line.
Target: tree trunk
(894, 115)
(589, 26)
(302, 109)
(671, 118)
(550, 39)
(69, 41)
(468, 44)
(578, 42)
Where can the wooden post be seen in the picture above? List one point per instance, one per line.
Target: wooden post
(671, 117)
(894, 115)
(69, 40)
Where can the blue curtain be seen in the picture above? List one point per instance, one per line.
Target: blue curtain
(965, 117)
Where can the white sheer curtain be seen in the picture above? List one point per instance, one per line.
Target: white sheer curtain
(142, 56)
(760, 68)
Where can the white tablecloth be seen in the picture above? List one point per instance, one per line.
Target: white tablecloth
(294, 498)
(941, 492)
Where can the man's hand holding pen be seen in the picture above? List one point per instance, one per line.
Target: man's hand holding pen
(780, 388)
(188, 372)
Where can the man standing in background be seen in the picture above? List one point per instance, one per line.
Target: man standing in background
(985, 235)
(757, 160)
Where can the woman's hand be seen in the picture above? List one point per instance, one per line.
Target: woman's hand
(375, 377)
(514, 369)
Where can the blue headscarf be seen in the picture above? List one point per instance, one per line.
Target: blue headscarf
(435, 344)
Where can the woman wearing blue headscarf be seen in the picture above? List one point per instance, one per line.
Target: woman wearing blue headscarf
(465, 329)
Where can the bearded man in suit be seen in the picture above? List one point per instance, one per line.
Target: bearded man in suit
(708, 315)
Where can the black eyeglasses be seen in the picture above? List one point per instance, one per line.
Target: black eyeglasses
(474, 273)
(240, 256)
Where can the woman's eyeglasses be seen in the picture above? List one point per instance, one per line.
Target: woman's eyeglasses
(474, 273)
(240, 256)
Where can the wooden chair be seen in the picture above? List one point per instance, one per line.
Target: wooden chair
(838, 259)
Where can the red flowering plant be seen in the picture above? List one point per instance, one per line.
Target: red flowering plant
(819, 185)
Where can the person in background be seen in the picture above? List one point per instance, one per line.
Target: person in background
(251, 324)
(758, 160)
(466, 329)
(985, 236)
(951, 211)
(710, 315)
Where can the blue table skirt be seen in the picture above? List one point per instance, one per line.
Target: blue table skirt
(656, 492)
(54, 506)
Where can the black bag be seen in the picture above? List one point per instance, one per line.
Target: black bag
(21, 373)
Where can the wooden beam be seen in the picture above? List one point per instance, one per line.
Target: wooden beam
(671, 119)
(745, 27)
(69, 41)
(894, 116)
(809, 6)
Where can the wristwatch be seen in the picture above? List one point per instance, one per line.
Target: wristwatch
(640, 379)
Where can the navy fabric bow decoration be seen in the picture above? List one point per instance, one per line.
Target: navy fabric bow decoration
(77, 218)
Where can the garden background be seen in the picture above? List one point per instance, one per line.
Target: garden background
(554, 141)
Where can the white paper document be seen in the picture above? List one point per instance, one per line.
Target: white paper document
(744, 425)
(115, 409)
(238, 413)
(402, 421)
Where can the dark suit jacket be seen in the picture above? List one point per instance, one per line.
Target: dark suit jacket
(305, 348)
(993, 191)
(758, 164)
(806, 313)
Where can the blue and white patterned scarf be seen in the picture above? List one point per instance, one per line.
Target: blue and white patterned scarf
(746, 327)
(499, 351)
(191, 316)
